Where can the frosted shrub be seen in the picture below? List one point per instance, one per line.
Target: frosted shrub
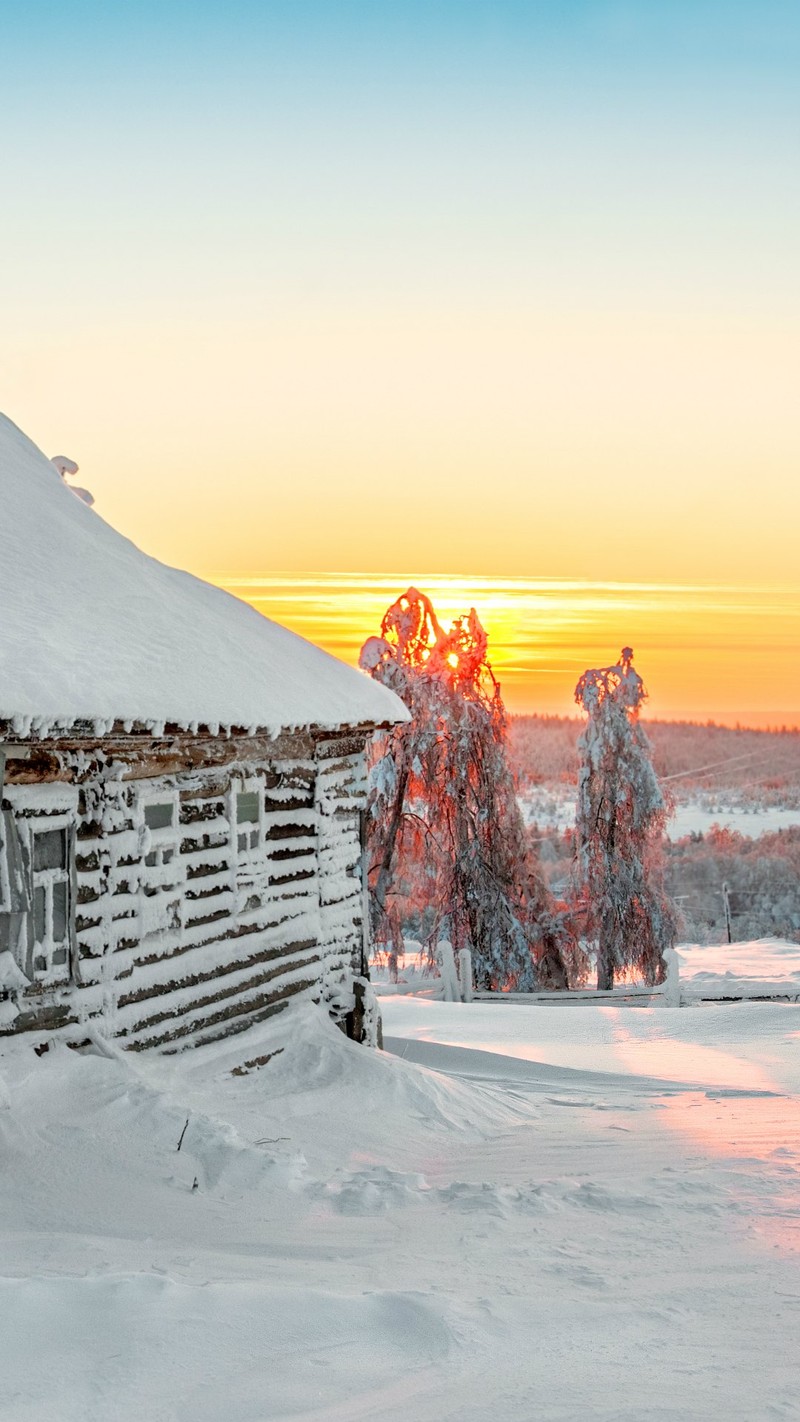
(621, 816)
(445, 834)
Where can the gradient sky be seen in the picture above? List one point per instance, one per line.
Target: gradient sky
(695, 645)
(504, 290)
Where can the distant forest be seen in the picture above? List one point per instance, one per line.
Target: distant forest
(760, 766)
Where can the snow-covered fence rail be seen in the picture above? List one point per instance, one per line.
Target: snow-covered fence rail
(730, 976)
(666, 994)
(633, 994)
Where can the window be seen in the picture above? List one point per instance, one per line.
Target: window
(159, 818)
(15, 891)
(51, 859)
(162, 871)
(248, 821)
(37, 885)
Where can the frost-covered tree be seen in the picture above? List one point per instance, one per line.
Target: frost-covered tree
(446, 835)
(620, 826)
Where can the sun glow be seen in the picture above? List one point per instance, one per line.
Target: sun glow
(706, 652)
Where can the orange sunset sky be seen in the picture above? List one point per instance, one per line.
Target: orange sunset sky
(498, 299)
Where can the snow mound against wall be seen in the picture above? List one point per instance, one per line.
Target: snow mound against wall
(104, 1133)
(135, 1136)
(367, 1095)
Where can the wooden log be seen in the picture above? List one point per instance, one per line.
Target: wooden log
(251, 1009)
(224, 994)
(236, 1025)
(219, 972)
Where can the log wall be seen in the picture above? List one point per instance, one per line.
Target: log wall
(193, 927)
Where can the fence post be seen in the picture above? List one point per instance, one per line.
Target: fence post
(465, 974)
(672, 981)
(451, 991)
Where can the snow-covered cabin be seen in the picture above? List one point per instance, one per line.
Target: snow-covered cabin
(183, 788)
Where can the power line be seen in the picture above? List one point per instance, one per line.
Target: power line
(715, 764)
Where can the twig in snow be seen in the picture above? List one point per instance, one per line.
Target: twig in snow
(183, 1133)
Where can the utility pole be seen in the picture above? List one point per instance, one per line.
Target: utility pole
(727, 902)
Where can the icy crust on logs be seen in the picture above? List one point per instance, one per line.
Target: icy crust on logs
(91, 628)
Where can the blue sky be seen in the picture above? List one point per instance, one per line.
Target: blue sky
(538, 260)
(652, 145)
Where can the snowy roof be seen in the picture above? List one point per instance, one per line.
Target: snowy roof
(91, 628)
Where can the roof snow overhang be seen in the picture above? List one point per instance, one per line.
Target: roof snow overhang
(97, 637)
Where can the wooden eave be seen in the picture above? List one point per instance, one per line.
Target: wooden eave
(36, 758)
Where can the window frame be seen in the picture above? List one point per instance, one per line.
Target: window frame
(45, 880)
(161, 871)
(253, 852)
(162, 838)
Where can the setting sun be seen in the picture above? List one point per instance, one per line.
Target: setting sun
(706, 652)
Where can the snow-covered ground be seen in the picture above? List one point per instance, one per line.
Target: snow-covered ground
(761, 968)
(750, 820)
(517, 1212)
(555, 809)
